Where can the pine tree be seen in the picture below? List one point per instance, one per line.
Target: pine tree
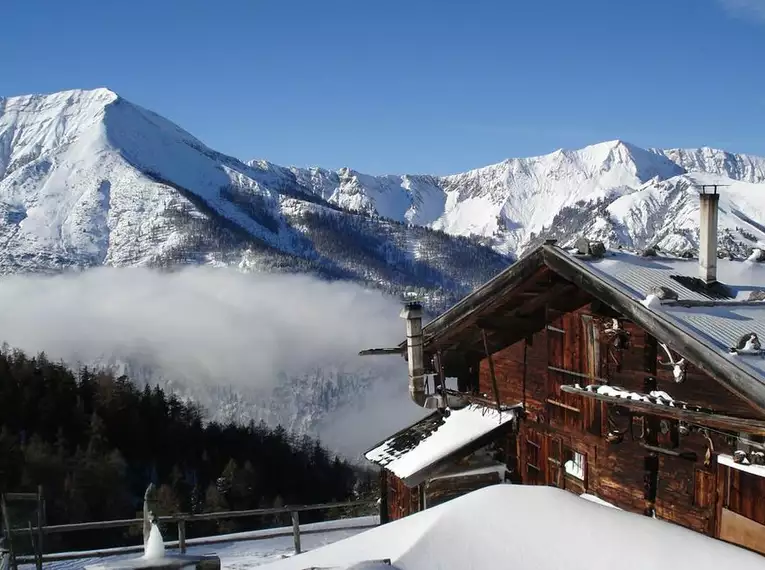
(97, 436)
(197, 501)
(226, 481)
(214, 500)
(167, 502)
(181, 489)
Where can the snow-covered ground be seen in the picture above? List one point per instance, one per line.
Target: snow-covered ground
(527, 528)
(245, 549)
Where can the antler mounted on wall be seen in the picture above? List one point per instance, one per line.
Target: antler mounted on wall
(677, 366)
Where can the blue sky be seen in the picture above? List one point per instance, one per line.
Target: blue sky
(408, 85)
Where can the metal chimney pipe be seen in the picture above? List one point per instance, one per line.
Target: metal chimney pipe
(708, 235)
(412, 312)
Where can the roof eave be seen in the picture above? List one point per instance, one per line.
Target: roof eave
(517, 272)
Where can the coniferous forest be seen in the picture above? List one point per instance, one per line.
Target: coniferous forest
(95, 441)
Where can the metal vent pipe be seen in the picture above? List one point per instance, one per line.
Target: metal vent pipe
(412, 312)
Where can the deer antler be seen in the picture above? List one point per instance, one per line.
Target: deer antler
(678, 366)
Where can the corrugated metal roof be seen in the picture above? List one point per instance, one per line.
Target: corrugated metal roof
(636, 275)
(722, 326)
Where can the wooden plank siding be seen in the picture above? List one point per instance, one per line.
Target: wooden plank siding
(575, 348)
(402, 500)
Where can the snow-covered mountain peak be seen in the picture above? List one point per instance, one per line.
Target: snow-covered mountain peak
(746, 168)
(33, 125)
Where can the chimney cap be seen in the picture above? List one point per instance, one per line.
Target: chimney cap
(411, 310)
(711, 187)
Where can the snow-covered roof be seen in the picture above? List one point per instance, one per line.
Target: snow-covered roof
(482, 531)
(637, 275)
(421, 448)
(758, 470)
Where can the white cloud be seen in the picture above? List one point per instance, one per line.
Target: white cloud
(241, 329)
(745, 8)
(216, 326)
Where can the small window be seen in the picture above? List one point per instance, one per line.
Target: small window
(574, 464)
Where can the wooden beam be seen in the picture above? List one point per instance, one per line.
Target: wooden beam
(502, 323)
(719, 421)
(519, 277)
(526, 312)
(382, 351)
(562, 405)
(689, 455)
(491, 370)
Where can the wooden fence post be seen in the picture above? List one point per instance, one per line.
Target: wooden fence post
(39, 550)
(182, 536)
(296, 530)
(7, 529)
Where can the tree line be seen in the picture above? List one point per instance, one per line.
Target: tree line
(94, 442)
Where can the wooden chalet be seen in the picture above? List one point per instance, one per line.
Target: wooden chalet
(634, 378)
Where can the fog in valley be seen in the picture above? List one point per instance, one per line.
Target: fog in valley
(203, 329)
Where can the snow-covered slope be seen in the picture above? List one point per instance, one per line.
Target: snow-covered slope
(743, 167)
(87, 178)
(613, 191)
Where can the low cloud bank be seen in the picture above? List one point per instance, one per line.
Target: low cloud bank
(217, 327)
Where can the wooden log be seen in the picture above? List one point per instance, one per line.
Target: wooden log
(221, 515)
(381, 351)
(720, 421)
(211, 540)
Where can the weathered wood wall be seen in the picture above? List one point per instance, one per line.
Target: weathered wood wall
(402, 501)
(576, 348)
(441, 490)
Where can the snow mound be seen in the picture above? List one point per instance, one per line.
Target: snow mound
(155, 545)
(493, 526)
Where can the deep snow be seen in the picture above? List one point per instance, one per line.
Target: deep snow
(528, 527)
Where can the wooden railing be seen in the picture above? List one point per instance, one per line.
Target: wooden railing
(181, 520)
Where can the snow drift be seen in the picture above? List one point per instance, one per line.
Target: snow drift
(528, 527)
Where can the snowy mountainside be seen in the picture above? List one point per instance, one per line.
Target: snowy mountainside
(665, 213)
(87, 178)
(512, 205)
(743, 167)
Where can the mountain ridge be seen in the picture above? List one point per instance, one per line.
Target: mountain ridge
(507, 205)
(89, 179)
